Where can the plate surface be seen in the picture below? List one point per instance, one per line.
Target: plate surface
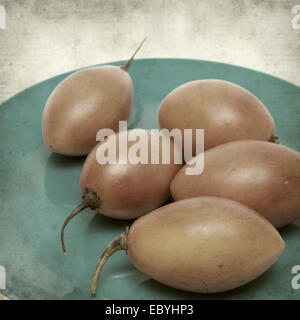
(38, 189)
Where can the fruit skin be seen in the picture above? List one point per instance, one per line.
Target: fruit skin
(83, 103)
(225, 111)
(127, 191)
(204, 245)
(262, 175)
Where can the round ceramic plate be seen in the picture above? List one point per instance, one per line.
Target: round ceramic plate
(38, 190)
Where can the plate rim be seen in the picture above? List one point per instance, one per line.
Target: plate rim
(121, 62)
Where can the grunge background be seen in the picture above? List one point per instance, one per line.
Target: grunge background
(44, 38)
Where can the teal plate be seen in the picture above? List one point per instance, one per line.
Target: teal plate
(38, 189)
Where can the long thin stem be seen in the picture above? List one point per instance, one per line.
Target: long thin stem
(128, 63)
(90, 200)
(83, 205)
(119, 243)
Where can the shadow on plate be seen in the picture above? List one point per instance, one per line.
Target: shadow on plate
(100, 223)
(62, 179)
(290, 230)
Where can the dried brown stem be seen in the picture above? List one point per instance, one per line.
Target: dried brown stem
(128, 63)
(90, 200)
(274, 139)
(119, 243)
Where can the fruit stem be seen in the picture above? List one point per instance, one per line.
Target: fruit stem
(119, 243)
(128, 63)
(90, 200)
(275, 139)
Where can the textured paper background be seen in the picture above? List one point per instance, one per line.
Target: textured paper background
(44, 38)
